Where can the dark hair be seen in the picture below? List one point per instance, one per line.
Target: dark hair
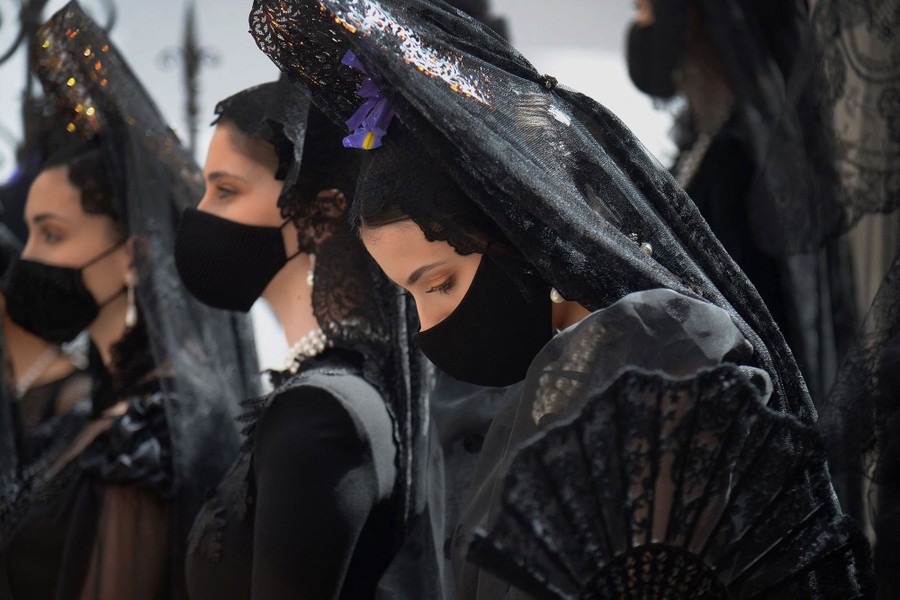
(399, 181)
(250, 111)
(89, 173)
(373, 215)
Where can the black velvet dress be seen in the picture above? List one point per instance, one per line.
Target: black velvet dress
(307, 510)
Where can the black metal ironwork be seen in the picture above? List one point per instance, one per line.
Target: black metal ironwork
(193, 57)
(30, 17)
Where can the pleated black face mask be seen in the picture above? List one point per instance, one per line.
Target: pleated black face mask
(493, 335)
(50, 301)
(226, 264)
(655, 52)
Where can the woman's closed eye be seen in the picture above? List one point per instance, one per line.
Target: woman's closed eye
(444, 287)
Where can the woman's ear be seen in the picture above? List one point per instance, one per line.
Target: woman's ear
(127, 266)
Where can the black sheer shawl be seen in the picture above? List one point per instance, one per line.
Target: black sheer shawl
(203, 360)
(564, 180)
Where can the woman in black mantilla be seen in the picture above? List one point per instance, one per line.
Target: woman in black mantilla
(43, 395)
(323, 493)
(757, 158)
(660, 443)
(109, 517)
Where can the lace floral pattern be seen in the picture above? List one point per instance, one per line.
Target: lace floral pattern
(860, 42)
(693, 483)
(557, 175)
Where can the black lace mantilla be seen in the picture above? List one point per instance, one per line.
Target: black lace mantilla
(567, 184)
(860, 43)
(232, 498)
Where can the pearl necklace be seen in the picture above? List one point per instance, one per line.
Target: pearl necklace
(690, 160)
(310, 345)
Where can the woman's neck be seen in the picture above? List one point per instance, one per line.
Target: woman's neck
(290, 296)
(109, 327)
(565, 314)
(26, 350)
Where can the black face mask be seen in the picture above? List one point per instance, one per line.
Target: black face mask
(655, 52)
(52, 302)
(226, 264)
(493, 335)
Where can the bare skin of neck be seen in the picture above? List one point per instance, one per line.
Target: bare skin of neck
(289, 294)
(25, 349)
(109, 327)
(566, 314)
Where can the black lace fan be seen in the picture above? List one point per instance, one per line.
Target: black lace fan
(662, 488)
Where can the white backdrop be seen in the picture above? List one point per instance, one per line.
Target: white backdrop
(577, 41)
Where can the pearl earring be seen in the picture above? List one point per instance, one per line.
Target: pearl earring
(131, 312)
(555, 296)
(310, 276)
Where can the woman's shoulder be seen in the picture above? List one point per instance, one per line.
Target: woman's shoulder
(665, 315)
(334, 392)
(343, 398)
(654, 330)
(320, 412)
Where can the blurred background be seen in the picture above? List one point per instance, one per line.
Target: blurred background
(580, 43)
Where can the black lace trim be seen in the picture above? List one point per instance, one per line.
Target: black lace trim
(701, 464)
(658, 571)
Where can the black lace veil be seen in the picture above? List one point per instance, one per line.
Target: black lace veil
(206, 358)
(569, 186)
(355, 305)
(10, 247)
(861, 423)
(854, 58)
(761, 46)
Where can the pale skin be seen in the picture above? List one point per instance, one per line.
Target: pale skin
(702, 81)
(434, 274)
(644, 14)
(61, 233)
(241, 187)
(25, 349)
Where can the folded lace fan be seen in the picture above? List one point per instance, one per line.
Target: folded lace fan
(663, 488)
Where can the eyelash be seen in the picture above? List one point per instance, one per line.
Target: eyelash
(443, 288)
(224, 192)
(49, 236)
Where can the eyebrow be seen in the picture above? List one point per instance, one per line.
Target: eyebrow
(223, 174)
(40, 218)
(417, 274)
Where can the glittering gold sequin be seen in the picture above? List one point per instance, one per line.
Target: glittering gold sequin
(365, 18)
